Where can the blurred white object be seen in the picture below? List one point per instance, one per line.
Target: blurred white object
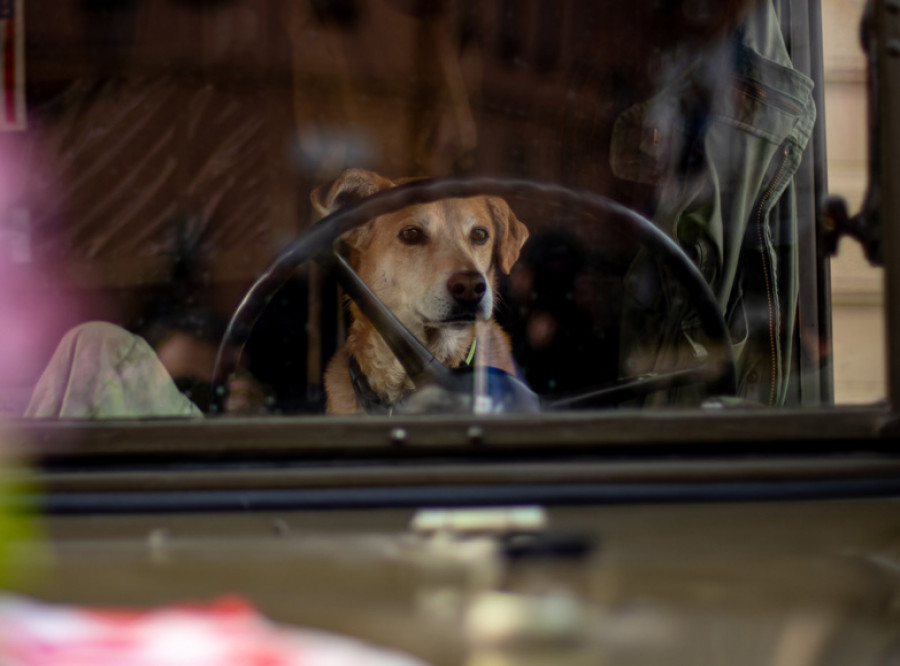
(480, 520)
(228, 632)
(496, 618)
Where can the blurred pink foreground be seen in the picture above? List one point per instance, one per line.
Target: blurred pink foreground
(228, 632)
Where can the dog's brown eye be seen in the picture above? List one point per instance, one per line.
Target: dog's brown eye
(480, 235)
(412, 235)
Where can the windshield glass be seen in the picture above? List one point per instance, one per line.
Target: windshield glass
(429, 206)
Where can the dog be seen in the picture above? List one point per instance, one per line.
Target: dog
(435, 266)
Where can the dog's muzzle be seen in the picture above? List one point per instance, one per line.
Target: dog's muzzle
(467, 289)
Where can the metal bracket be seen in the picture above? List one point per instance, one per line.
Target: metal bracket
(866, 225)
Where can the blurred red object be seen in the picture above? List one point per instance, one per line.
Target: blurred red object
(228, 632)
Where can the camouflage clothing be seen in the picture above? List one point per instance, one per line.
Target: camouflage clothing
(101, 371)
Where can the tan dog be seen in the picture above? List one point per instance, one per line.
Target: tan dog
(434, 265)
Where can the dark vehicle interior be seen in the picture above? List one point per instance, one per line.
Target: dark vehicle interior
(222, 138)
(663, 474)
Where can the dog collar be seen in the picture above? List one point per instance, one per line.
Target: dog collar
(371, 401)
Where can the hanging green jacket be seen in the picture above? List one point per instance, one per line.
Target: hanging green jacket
(721, 142)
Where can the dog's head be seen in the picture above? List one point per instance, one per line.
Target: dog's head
(433, 265)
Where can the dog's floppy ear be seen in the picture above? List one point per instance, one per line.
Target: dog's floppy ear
(350, 187)
(347, 189)
(510, 234)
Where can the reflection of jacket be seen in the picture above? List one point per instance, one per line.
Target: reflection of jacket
(721, 143)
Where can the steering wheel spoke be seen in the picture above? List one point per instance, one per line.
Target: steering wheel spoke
(419, 363)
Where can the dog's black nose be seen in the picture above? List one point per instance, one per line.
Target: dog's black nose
(467, 287)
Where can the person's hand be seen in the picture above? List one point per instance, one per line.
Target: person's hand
(246, 396)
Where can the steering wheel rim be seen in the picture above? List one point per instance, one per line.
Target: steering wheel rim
(719, 369)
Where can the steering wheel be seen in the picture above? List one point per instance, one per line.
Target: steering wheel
(717, 371)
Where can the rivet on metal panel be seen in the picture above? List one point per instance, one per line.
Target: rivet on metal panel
(157, 544)
(398, 436)
(475, 435)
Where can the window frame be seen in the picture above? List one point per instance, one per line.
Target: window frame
(737, 437)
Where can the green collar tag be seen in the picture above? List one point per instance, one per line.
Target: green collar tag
(471, 355)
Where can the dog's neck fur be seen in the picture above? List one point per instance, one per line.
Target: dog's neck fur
(384, 372)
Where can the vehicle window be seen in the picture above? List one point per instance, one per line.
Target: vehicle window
(430, 206)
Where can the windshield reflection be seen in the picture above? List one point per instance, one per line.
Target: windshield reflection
(186, 145)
